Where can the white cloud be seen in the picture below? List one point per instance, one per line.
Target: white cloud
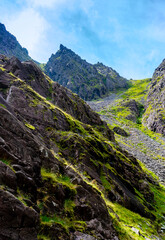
(29, 27)
(46, 3)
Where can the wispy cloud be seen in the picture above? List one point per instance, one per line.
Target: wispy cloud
(45, 3)
(29, 27)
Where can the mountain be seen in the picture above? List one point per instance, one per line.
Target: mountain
(68, 69)
(62, 174)
(87, 80)
(9, 45)
(154, 117)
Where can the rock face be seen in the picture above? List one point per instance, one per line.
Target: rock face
(10, 46)
(59, 165)
(134, 109)
(113, 79)
(154, 117)
(87, 80)
(120, 131)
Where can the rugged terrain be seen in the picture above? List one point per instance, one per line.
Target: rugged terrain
(124, 112)
(62, 173)
(68, 69)
(131, 135)
(154, 117)
(10, 46)
(87, 80)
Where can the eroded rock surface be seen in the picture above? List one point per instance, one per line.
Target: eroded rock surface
(60, 162)
(154, 117)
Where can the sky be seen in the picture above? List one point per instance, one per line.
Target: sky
(127, 35)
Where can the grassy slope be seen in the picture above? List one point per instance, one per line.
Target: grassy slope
(117, 113)
(123, 219)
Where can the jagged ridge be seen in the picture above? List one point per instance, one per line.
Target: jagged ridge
(87, 80)
(9, 45)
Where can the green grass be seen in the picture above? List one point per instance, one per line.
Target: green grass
(120, 111)
(138, 89)
(65, 222)
(129, 219)
(64, 180)
(159, 193)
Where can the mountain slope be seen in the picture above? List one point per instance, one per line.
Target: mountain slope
(124, 112)
(62, 168)
(87, 80)
(9, 45)
(154, 117)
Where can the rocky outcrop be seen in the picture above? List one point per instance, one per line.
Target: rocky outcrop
(9, 45)
(120, 131)
(17, 221)
(60, 163)
(113, 79)
(133, 108)
(154, 117)
(87, 80)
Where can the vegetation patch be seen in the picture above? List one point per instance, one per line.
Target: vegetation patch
(64, 180)
(2, 105)
(30, 126)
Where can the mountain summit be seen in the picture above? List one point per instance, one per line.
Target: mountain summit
(87, 80)
(9, 45)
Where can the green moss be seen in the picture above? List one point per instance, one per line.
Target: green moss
(64, 180)
(129, 219)
(105, 182)
(43, 237)
(3, 69)
(22, 196)
(159, 204)
(2, 105)
(50, 88)
(30, 126)
(11, 74)
(65, 222)
(69, 206)
(5, 161)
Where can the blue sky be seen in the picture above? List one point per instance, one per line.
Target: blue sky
(126, 35)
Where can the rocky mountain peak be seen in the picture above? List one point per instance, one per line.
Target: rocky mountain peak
(87, 80)
(10, 46)
(63, 48)
(2, 27)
